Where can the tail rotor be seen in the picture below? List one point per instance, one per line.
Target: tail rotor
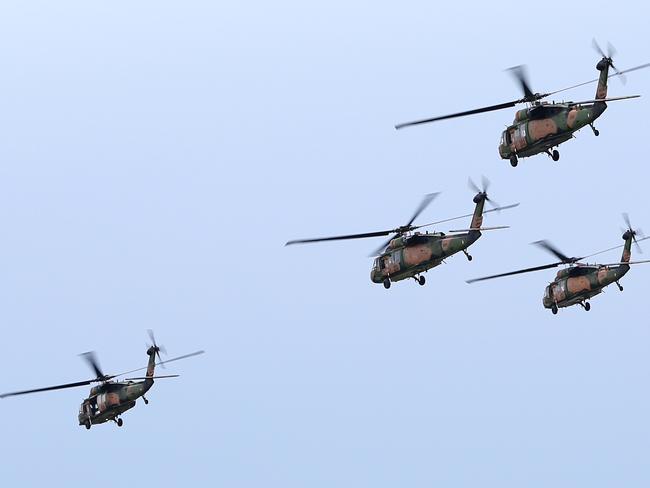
(611, 52)
(156, 348)
(481, 193)
(630, 232)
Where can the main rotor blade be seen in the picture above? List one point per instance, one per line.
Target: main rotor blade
(481, 229)
(152, 377)
(91, 359)
(554, 251)
(48, 388)
(467, 215)
(620, 263)
(423, 204)
(491, 108)
(641, 66)
(519, 271)
(341, 238)
(381, 247)
(519, 73)
(611, 99)
(610, 249)
(196, 353)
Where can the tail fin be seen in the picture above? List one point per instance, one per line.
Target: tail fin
(601, 90)
(603, 67)
(477, 217)
(151, 365)
(627, 248)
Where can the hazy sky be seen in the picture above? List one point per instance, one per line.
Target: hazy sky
(154, 158)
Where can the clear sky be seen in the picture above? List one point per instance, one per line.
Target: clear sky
(154, 158)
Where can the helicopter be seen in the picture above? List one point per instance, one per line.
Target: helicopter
(580, 281)
(110, 399)
(543, 126)
(407, 254)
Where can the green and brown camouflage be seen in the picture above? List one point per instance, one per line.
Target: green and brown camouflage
(577, 284)
(110, 398)
(543, 126)
(410, 255)
(408, 252)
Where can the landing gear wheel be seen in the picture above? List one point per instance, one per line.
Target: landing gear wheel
(87, 424)
(513, 161)
(146, 402)
(554, 309)
(422, 280)
(119, 422)
(596, 132)
(620, 288)
(555, 155)
(587, 306)
(469, 257)
(387, 283)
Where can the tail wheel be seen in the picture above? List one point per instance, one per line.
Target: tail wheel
(387, 283)
(422, 280)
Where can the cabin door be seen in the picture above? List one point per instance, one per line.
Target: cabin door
(519, 136)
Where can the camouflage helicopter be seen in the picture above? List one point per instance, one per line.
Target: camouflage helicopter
(110, 399)
(542, 125)
(580, 282)
(407, 254)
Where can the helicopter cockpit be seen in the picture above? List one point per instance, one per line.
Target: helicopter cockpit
(504, 144)
(548, 300)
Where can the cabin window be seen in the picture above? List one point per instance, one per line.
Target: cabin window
(395, 257)
(522, 131)
(506, 137)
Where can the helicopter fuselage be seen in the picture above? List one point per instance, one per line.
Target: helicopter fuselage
(543, 126)
(577, 284)
(111, 399)
(407, 256)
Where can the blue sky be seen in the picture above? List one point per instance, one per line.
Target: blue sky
(155, 156)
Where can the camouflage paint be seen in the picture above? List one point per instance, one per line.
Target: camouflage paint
(406, 257)
(111, 399)
(543, 125)
(577, 284)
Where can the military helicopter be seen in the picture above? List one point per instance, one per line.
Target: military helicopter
(407, 254)
(542, 125)
(110, 399)
(580, 282)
